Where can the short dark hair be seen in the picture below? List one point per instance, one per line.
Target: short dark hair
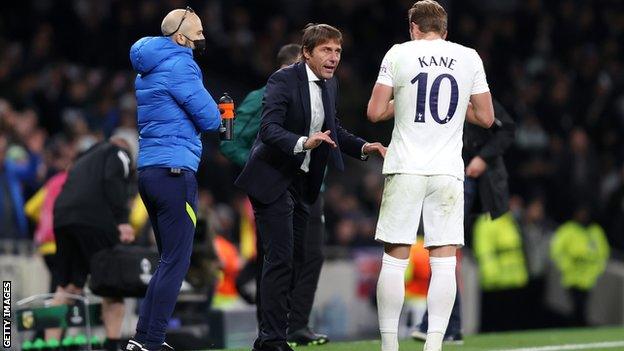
(315, 34)
(288, 54)
(429, 16)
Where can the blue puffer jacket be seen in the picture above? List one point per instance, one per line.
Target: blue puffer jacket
(173, 107)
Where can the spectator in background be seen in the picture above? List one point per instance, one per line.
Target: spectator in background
(503, 274)
(577, 169)
(39, 208)
(613, 217)
(580, 251)
(537, 231)
(12, 175)
(91, 214)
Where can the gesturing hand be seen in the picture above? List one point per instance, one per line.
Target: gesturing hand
(126, 233)
(375, 147)
(476, 167)
(317, 138)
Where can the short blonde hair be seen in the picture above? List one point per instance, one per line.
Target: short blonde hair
(429, 16)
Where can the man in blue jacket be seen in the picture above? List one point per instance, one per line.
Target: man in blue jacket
(173, 109)
(13, 224)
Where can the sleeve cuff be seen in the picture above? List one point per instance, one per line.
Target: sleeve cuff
(123, 219)
(299, 145)
(363, 156)
(385, 81)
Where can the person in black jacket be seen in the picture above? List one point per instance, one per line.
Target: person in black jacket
(91, 214)
(486, 177)
(299, 134)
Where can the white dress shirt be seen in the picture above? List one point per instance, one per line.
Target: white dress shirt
(317, 116)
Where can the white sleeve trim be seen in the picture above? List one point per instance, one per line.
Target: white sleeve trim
(125, 160)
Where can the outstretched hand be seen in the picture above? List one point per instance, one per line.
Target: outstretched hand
(317, 138)
(370, 148)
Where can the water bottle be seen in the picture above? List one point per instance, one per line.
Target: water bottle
(226, 107)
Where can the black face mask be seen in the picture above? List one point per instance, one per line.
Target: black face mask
(199, 44)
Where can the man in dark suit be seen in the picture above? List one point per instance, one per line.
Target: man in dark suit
(298, 134)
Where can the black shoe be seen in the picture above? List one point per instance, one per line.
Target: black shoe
(271, 346)
(306, 337)
(134, 345)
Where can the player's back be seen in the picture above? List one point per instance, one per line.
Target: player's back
(432, 82)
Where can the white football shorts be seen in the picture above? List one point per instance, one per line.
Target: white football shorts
(440, 199)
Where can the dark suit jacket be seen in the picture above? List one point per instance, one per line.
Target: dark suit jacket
(272, 165)
(491, 144)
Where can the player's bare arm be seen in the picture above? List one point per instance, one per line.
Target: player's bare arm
(380, 106)
(480, 110)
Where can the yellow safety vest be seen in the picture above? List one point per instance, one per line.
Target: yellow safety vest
(580, 253)
(498, 249)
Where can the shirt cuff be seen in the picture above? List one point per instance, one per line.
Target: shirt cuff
(299, 145)
(363, 156)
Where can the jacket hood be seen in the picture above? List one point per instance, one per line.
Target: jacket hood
(148, 52)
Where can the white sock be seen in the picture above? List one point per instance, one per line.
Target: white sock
(440, 298)
(390, 295)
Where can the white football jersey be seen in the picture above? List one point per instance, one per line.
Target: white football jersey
(432, 82)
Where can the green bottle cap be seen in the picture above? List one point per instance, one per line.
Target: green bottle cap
(52, 344)
(80, 339)
(39, 344)
(95, 340)
(67, 341)
(27, 345)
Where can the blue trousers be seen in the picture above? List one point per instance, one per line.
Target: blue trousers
(171, 202)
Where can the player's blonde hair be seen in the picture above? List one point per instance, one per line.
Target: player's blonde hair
(429, 16)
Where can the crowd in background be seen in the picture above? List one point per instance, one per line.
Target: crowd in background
(66, 83)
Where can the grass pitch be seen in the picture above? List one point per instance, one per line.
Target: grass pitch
(594, 339)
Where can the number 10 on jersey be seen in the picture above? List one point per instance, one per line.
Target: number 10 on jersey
(433, 97)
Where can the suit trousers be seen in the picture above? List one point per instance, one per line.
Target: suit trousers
(303, 291)
(282, 228)
(302, 294)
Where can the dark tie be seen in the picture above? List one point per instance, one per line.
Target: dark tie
(330, 124)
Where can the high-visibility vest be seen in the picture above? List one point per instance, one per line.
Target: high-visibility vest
(498, 250)
(580, 253)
